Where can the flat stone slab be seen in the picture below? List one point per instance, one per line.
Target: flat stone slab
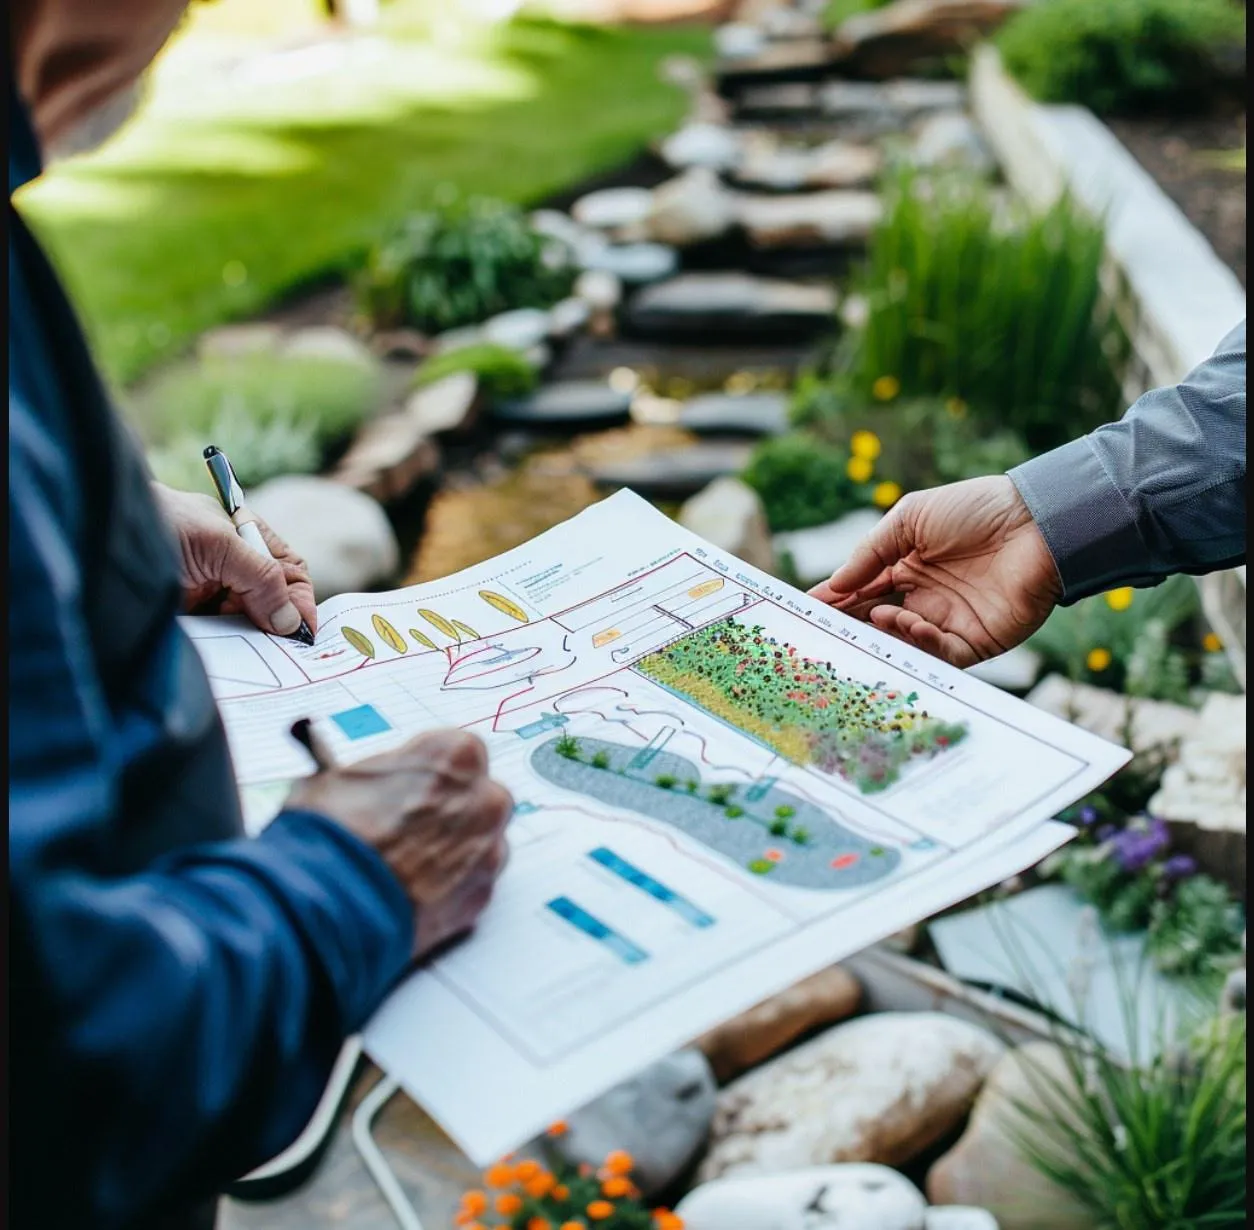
(783, 60)
(447, 405)
(733, 305)
(635, 263)
(768, 162)
(811, 219)
(817, 552)
(567, 404)
(674, 475)
(750, 414)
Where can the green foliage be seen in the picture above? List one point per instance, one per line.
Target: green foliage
(721, 794)
(1196, 929)
(991, 304)
(784, 812)
(692, 785)
(802, 481)
(1135, 638)
(1157, 1144)
(666, 781)
(271, 413)
(778, 828)
(801, 835)
(459, 264)
(1121, 56)
(733, 811)
(600, 759)
(567, 746)
(761, 866)
(501, 371)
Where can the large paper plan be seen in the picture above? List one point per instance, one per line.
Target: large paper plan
(721, 786)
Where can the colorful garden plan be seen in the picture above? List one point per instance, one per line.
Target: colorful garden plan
(721, 786)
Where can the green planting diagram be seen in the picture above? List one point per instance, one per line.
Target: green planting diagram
(801, 708)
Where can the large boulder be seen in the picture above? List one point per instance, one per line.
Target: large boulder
(881, 1088)
(343, 534)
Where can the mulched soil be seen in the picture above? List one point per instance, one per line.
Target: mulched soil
(1175, 152)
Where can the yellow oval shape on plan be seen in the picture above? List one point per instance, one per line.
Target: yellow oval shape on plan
(423, 639)
(466, 630)
(604, 638)
(358, 642)
(706, 588)
(388, 634)
(504, 605)
(440, 624)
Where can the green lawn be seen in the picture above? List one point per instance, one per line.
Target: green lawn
(227, 190)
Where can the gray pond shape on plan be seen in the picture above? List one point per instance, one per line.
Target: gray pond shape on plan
(629, 779)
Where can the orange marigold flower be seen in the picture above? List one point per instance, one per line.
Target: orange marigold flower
(561, 1192)
(526, 1170)
(475, 1203)
(617, 1186)
(664, 1219)
(499, 1175)
(620, 1162)
(539, 1223)
(572, 1225)
(540, 1186)
(508, 1204)
(599, 1210)
(560, 1128)
(585, 1169)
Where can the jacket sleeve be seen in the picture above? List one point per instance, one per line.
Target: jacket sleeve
(1159, 492)
(173, 1028)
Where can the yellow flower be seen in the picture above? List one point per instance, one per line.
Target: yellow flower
(1120, 599)
(865, 444)
(859, 469)
(1211, 643)
(886, 494)
(956, 407)
(1098, 659)
(885, 388)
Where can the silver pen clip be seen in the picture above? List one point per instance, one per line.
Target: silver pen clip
(230, 493)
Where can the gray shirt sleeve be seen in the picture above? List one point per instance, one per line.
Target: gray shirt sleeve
(1159, 492)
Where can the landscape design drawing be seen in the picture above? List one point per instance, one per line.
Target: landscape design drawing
(801, 708)
(769, 832)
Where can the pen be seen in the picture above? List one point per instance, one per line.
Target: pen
(303, 732)
(231, 497)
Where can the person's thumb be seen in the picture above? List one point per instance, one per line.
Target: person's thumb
(868, 569)
(260, 584)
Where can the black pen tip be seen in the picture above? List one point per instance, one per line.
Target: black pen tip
(303, 634)
(211, 451)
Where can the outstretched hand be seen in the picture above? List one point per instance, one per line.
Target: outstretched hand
(973, 572)
(219, 569)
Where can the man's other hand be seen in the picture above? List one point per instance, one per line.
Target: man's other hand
(433, 814)
(220, 570)
(971, 566)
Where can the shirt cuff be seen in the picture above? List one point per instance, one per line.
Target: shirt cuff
(1085, 521)
(350, 907)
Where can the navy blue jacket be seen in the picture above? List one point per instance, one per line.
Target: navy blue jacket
(178, 992)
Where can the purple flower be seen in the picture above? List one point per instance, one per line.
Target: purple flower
(1140, 843)
(1088, 816)
(1179, 866)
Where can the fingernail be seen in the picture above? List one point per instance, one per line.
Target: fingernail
(286, 619)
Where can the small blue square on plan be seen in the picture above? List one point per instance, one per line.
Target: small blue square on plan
(362, 722)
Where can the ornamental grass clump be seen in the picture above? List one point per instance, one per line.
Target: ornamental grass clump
(527, 1195)
(459, 263)
(990, 304)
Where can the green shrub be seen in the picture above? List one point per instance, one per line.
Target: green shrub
(802, 481)
(1121, 56)
(460, 263)
(502, 372)
(990, 304)
(272, 414)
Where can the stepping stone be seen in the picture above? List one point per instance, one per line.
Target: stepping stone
(778, 62)
(702, 145)
(1016, 670)
(554, 224)
(568, 317)
(951, 139)
(838, 217)
(673, 475)
(731, 305)
(635, 263)
(611, 209)
(389, 457)
(911, 98)
(817, 552)
(799, 100)
(327, 342)
(520, 329)
(567, 405)
(749, 414)
(600, 289)
(448, 405)
(738, 40)
(729, 514)
(691, 208)
(769, 163)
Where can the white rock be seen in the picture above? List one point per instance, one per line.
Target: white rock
(1130, 721)
(343, 535)
(881, 1088)
(328, 342)
(457, 339)
(852, 1196)
(556, 225)
(633, 262)
(231, 341)
(601, 290)
(702, 145)
(568, 317)
(1015, 671)
(958, 1217)
(443, 406)
(610, 209)
(736, 41)
(661, 1117)
(951, 139)
(819, 551)
(836, 217)
(729, 514)
(690, 208)
(519, 330)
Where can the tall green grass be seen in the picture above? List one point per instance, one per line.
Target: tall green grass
(988, 303)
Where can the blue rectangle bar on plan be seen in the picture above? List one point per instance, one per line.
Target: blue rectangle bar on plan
(647, 884)
(581, 920)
